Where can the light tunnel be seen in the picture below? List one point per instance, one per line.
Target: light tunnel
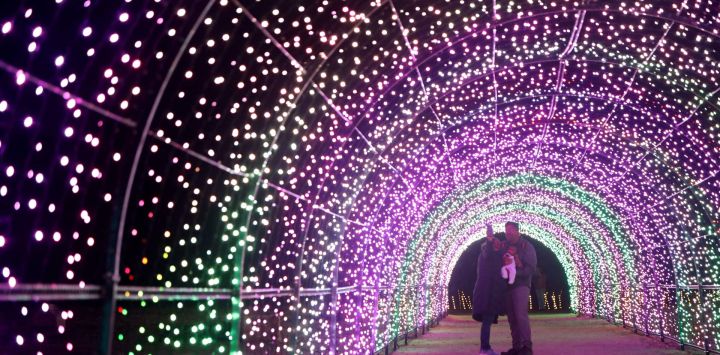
(266, 177)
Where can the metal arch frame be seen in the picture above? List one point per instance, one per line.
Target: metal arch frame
(106, 343)
(355, 125)
(421, 79)
(145, 133)
(559, 122)
(674, 269)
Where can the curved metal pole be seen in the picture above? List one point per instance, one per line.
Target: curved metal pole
(107, 336)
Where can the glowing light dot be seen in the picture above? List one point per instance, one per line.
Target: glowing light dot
(20, 77)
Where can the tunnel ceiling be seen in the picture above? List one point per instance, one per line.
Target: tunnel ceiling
(315, 168)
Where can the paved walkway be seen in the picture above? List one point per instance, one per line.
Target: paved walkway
(563, 334)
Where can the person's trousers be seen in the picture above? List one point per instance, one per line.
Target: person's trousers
(516, 304)
(540, 296)
(487, 321)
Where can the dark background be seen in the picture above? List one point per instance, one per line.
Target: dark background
(462, 279)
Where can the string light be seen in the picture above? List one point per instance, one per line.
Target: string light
(312, 171)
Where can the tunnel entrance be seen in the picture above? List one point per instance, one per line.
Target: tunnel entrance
(462, 280)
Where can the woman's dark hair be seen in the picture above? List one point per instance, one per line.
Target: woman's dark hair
(514, 224)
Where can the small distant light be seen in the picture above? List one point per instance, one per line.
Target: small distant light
(87, 31)
(59, 61)
(37, 32)
(28, 121)
(19, 340)
(6, 27)
(124, 17)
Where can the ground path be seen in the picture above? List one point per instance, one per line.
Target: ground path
(564, 334)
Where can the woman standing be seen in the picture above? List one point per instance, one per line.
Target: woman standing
(489, 287)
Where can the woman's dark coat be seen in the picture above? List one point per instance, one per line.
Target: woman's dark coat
(489, 285)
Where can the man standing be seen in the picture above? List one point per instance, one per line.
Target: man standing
(518, 293)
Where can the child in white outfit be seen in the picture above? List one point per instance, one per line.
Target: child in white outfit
(508, 270)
